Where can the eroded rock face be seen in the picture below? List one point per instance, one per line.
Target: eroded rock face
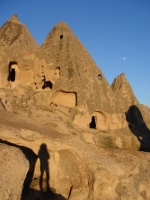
(67, 99)
(70, 123)
(124, 92)
(63, 65)
(126, 182)
(18, 50)
(75, 168)
(66, 75)
(13, 169)
(64, 62)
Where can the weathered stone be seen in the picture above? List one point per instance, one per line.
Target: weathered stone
(18, 50)
(62, 109)
(64, 66)
(13, 169)
(78, 169)
(124, 92)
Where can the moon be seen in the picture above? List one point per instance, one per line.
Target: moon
(124, 58)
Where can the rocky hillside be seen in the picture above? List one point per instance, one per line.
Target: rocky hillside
(74, 167)
(75, 136)
(70, 69)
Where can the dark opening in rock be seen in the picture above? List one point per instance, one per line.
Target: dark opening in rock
(12, 75)
(99, 76)
(61, 36)
(47, 84)
(12, 71)
(93, 122)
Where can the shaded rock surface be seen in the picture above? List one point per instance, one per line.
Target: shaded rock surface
(138, 127)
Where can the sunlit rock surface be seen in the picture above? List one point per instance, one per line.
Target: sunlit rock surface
(79, 135)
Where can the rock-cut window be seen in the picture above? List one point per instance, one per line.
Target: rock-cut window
(61, 37)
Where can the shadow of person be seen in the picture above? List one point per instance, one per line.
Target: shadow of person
(44, 168)
(138, 127)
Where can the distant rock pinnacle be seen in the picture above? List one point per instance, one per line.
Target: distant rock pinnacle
(14, 18)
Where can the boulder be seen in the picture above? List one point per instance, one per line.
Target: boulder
(13, 169)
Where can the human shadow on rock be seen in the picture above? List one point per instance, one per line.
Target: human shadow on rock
(43, 182)
(44, 167)
(138, 127)
(29, 193)
(33, 194)
(31, 157)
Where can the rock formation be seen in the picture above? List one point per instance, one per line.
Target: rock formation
(78, 168)
(13, 169)
(18, 50)
(80, 135)
(124, 92)
(65, 68)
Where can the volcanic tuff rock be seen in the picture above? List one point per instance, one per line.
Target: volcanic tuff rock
(77, 169)
(18, 50)
(146, 111)
(127, 99)
(70, 68)
(64, 67)
(124, 92)
(61, 112)
(13, 169)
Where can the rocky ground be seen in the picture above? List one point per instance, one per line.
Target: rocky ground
(74, 165)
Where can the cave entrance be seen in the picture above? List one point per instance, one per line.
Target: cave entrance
(13, 66)
(93, 122)
(12, 75)
(47, 84)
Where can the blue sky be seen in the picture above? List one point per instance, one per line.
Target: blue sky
(109, 29)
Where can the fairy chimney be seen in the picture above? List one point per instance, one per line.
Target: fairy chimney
(124, 92)
(65, 68)
(126, 97)
(18, 50)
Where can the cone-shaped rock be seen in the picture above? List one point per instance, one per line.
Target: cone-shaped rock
(18, 50)
(65, 67)
(128, 101)
(124, 92)
(15, 35)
